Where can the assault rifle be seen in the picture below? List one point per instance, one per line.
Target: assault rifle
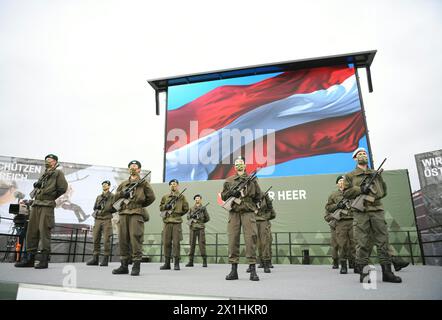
(100, 205)
(358, 202)
(130, 189)
(238, 188)
(194, 216)
(172, 202)
(41, 182)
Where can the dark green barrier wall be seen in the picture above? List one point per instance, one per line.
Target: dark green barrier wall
(299, 203)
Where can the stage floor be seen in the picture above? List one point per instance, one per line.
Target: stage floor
(78, 281)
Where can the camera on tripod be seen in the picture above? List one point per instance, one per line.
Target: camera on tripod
(21, 211)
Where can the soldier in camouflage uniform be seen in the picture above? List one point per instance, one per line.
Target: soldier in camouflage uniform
(132, 217)
(264, 214)
(371, 219)
(333, 238)
(172, 218)
(49, 187)
(197, 230)
(103, 226)
(242, 214)
(343, 225)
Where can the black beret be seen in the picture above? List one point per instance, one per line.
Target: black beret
(197, 195)
(106, 181)
(173, 180)
(52, 156)
(134, 162)
(339, 178)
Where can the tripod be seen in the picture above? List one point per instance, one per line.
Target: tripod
(16, 240)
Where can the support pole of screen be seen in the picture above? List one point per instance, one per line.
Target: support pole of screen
(370, 84)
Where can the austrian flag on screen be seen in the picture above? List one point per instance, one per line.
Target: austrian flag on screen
(288, 123)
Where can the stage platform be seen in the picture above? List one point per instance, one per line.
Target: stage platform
(78, 281)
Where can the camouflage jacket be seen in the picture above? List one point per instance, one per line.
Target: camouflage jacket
(181, 207)
(53, 187)
(352, 188)
(250, 197)
(143, 196)
(104, 212)
(332, 206)
(200, 222)
(265, 211)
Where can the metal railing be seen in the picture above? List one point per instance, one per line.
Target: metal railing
(284, 246)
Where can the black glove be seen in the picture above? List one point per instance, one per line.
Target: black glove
(168, 206)
(126, 195)
(341, 205)
(236, 194)
(37, 184)
(365, 189)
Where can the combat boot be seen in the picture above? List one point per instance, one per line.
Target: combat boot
(261, 263)
(41, 261)
(122, 269)
(266, 267)
(351, 264)
(335, 263)
(388, 275)
(343, 267)
(190, 263)
(166, 265)
(135, 269)
(233, 275)
(104, 261)
(248, 269)
(176, 264)
(398, 263)
(27, 261)
(204, 261)
(93, 261)
(253, 275)
(356, 269)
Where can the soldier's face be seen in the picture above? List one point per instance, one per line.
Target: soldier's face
(341, 183)
(173, 186)
(240, 165)
(133, 169)
(50, 163)
(105, 187)
(197, 200)
(362, 158)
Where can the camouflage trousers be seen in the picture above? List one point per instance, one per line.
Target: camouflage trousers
(172, 236)
(344, 235)
(366, 225)
(248, 223)
(200, 236)
(38, 235)
(334, 244)
(102, 227)
(131, 236)
(264, 240)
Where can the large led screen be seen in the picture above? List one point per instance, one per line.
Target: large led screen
(285, 124)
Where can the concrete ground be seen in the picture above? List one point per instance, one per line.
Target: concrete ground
(302, 282)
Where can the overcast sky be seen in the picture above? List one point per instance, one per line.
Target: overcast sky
(73, 73)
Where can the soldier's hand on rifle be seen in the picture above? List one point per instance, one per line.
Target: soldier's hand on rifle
(37, 184)
(365, 189)
(236, 194)
(168, 206)
(126, 195)
(341, 205)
